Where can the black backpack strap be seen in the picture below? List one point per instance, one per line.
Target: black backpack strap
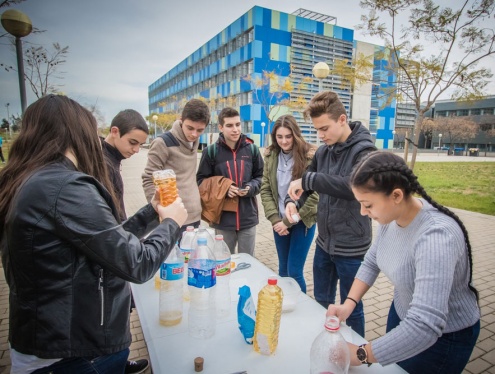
(169, 139)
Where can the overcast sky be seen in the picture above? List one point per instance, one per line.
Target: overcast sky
(117, 48)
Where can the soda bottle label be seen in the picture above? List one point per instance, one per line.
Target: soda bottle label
(223, 267)
(171, 272)
(186, 252)
(200, 278)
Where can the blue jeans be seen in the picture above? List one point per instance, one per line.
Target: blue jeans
(327, 270)
(292, 250)
(109, 364)
(448, 355)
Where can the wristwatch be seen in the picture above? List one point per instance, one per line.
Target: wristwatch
(362, 355)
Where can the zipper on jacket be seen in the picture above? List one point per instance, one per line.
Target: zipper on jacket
(102, 297)
(238, 181)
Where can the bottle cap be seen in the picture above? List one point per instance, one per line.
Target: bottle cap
(332, 323)
(190, 228)
(272, 280)
(202, 241)
(198, 364)
(218, 237)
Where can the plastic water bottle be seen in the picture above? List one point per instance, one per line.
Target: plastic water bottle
(268, 316)
(186, 245)
(222, 255)
(329, 352)
(171, 288)
(202, 287)
(202, 232)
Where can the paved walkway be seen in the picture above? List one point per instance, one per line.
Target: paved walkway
(377, 300)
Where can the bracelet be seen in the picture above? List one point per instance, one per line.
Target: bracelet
(350, 298)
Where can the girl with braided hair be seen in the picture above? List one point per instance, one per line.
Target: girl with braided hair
(424, 249)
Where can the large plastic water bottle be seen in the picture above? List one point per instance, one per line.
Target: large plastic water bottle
(268, 316)
(202, 232)
(222, 255)
(202, 287)
(186, 245)
(171, 288)
(329, 352)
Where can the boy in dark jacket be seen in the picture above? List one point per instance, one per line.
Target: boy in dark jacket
(234, 156)
(344, 235)
(128, 131)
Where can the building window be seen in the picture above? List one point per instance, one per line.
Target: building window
(463, 112)
(488, 110)
(475, 112)
(247, 127)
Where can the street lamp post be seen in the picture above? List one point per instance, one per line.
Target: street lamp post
(155, 118)
(439, 143)
(320, 71)
(8, 119)
(263, 134)
(19, 25)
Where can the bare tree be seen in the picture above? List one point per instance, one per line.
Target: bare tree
(455, 129)
(461, 38)
(42, 68)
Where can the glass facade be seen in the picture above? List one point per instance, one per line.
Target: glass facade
(261, 62)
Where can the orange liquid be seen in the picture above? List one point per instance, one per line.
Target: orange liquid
(168, 190)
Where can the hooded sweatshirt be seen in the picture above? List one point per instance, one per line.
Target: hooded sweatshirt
(342, 230)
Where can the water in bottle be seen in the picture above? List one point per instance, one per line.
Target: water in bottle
(202, 287)
(171, 288)
(329, 352)
(186, 247)
(268, 316)
(222, 255)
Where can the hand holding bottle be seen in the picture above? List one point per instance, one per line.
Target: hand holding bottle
(176, 210)
(342, 311)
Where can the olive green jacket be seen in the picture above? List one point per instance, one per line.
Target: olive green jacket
(269, 192)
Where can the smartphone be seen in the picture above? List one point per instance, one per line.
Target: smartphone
(245, 189)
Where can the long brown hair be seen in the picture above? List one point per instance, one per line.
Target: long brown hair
(384, 172)
(51, 126)
(300, 147)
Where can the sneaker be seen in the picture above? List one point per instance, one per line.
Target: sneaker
(136, 367)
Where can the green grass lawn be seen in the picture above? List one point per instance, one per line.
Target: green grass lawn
(463, 185)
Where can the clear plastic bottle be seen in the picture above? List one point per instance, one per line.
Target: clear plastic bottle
(202, 232)
(186, 246)
(202, 287)
(329, 352)
(223, 257)
(268, 316)
(171, 288)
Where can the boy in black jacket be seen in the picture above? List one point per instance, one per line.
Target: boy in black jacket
(236, 157)
(344, 235)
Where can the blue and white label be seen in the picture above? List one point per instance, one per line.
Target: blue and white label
(203, 277)
(172, 272)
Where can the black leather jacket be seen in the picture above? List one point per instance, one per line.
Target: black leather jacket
(68, 263)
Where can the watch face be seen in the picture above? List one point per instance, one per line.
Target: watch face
(361, 354)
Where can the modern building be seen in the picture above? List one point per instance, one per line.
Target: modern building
(263, 61)
(481, 111)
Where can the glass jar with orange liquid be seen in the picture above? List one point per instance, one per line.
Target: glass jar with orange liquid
(166, 182)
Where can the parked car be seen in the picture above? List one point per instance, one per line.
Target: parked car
(442, 148)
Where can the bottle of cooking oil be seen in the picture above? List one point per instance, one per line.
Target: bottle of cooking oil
(268, 316)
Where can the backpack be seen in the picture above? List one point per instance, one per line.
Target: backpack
(212, 151)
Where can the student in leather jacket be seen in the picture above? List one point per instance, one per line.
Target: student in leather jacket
(67, 260)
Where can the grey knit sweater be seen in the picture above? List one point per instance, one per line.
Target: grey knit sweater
(427, 264)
